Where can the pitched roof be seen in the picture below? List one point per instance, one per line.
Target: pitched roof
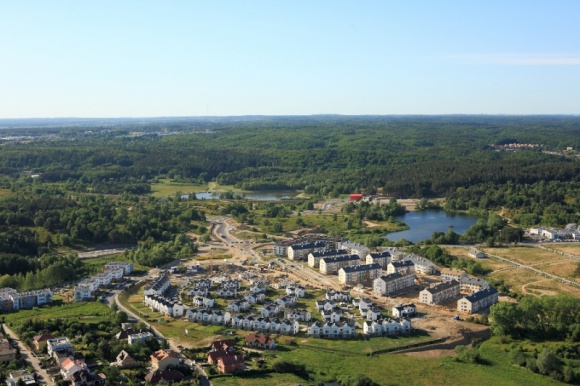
(481, 294)
(42, 337)
(361, 267)
(161, 355)
(442, 286)
(231, 359)
(339, 258)
(165, 376)
(259, 338)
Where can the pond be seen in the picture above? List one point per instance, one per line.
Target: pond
(423, 224)
(258, 196)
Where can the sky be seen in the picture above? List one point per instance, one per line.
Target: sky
(287, 57)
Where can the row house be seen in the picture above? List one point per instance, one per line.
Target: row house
(372, 313)
(359, 274)
(202, 283)
(333, 315)
(448, 274)
(231, 284)
(332, 330)
(27, 300)
(115, 273)
(158, 286)
(473, 284)
(254, 298)
(362, 303)
(227, 292)
(165, 306)
(404, 310)
(139, 337)
(203, 301)
(423, 266)
(354, 248)
(266, 324)
(325, 304)
(286, 301)
(403, 267)
(127, 267)
(393, 282)
(297, 291)
(384, 327)
(331, 265)
(439, 293)
(339, 296)
(238, 306)
(258, 288)
(298, 314)
(381, 258)
(300, 252)
(208, 316)
(198, 291)
(270, 309)
(314, 257)
(478, 300)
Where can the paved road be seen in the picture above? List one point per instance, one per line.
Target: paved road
(43, 377)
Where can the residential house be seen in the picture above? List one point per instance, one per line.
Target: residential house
(331, 265)
(472, 284)
(333, 315)
(39, 341)
(139, 337)
(296, 291)
(162, 359)
(127, 267)
(231, 363)
(393, 283)
(83, 293)
(478, 300)
(338, 296)
(422, 265)
(158, 286)
(125, 361)
(85, 377)
(270, 309)
(27, 300)
(404, 310)
(372, 313)
(476, 254)
(164, 305)
(301, 251)
(203, 301)
(61, 344)
(384, 327)
(227, 293)
(359, 274)
(70, 366)
(6, 303)
(354, 248)
(325, 304)
(238, 306)
(439, 293)
(7, 353)
(335, 330)
(20, 377)
(297, 314)
(260, 341)
(168, 376)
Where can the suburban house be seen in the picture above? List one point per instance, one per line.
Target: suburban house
(381, 258)
(70, 366)
(227, 292)
(27, 300)
(404, 310)
(325, 304)
(7, 353)
(203, 301)
(208, 316)
(139, 337)
(260, 341)
(297, 314)
(359, 274)
(270, 309)
(164, 305)
(296, 291)
(125, 361)
(338, 296)
(164, 377)
(238, 305)
(333, 315)
(448, 274)
(114, 265)
(39, 341)
(83, 293)
(158, 286)
(332, 330)
(478, 300)
(162, 359)
(231, 363)
(20, 377)
(403, 267)
(392, 283)
(314, 257)
(440, 292)
(331, 265)
(383, 327)
(477, 254)
(61, 344)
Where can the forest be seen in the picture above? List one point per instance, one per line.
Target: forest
(75, 183)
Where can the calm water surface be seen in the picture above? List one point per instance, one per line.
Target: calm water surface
(422, 224)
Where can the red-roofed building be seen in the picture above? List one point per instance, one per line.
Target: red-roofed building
(161, 359)
(165, 376)
(231, 363)
(260, 341)
(356, 197)
(222, 345)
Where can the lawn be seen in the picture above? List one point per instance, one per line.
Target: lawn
(96, 264)
(487, 263)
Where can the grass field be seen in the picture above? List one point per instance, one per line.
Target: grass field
(166, 187)
(97, 263)
(488, 263)
(396, 369)
(525, 255)
(84, 311)
(523, 281)
(564, 269)
(572, 249)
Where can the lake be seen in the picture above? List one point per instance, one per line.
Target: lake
(423, 224)
(258, 196)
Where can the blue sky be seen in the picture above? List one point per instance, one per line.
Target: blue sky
(195, 58)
